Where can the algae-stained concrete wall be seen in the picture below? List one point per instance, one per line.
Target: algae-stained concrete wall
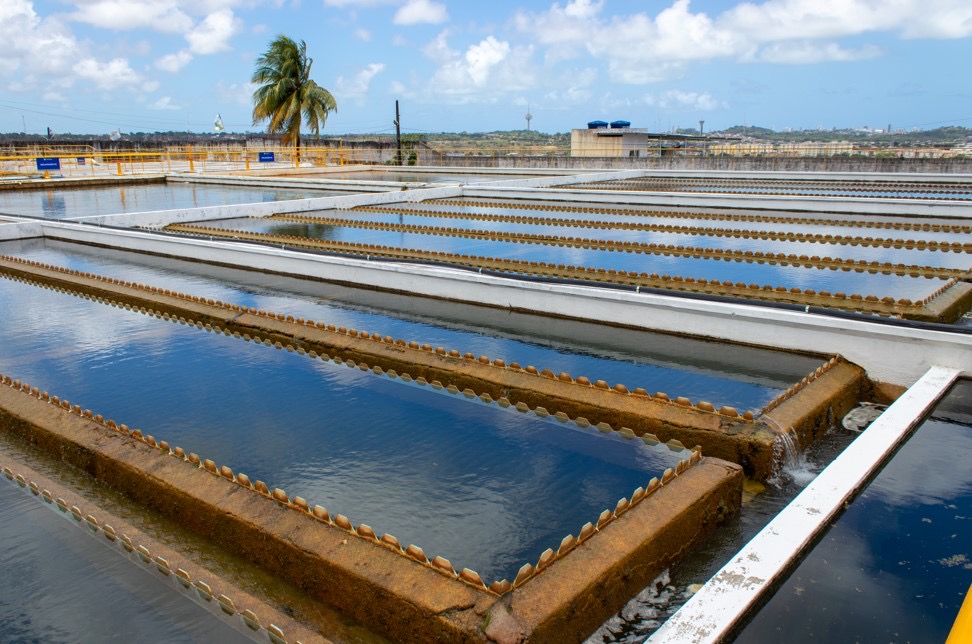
(665, 200)
(725, 432)
(398, 592)
(896, 355)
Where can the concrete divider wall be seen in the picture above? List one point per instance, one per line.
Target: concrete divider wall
(20, 230)
(896, 355)
(665, 200)
(166, 217)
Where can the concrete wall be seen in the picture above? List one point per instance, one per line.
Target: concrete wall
(853, 205)
(160, 218)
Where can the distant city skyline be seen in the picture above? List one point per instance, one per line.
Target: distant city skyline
(95, 66)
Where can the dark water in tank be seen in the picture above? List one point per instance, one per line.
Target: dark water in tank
(61, 585)
(737, 243)
(486, 487)
(742, 377)
(897, 564)
(849, 281)
(822, 223)
(59, 203)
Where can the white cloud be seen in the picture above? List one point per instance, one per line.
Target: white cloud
(164, 16)
(641, 48)
(583, 9)
(439, 51)
(809, 52)
(150, 86)
(164, 103)
(481, 58)
(801, 19)
(677, 100)
(357, 86)
(239, 93)
(51, 96)
(24, 34)
(106, 76)
(174, 62)
(213, 33)
(356, 3)
(415, 12)
(486, 69)
(362, 34)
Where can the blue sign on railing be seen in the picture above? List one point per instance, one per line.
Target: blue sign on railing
(48, 163)
(80, 160)
(266, 157)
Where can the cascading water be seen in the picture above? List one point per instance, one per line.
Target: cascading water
(790, 462)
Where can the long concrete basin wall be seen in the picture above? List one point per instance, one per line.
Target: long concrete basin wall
(166, 217)
(893, 354)
(851, 205)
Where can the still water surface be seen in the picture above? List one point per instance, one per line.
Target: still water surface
(69, 203)
(61, 585)
(835, 281)
(734, 243)
(897, 564)
(743, 377)
(485, 487)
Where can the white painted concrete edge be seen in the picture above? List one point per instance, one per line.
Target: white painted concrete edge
(181, 215)
(893, 354)
(711, 614)
(20, 229)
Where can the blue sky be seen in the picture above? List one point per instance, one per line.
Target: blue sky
(91, 66)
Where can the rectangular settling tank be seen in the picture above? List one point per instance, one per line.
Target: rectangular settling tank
(489, 487)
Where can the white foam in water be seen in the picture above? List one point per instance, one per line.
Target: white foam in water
(645, 612)
(794, 463)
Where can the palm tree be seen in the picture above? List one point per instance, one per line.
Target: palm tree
(286, 93)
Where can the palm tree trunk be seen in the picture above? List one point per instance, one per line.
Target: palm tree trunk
(297, 146)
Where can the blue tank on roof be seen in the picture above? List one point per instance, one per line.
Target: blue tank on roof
(596, 125)
(620, 124)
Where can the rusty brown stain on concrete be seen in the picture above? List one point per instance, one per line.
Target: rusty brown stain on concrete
(393, 595)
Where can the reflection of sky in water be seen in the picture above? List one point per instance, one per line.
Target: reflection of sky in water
(485, 487)
(660, 219)
(711, 269)
(684, 367)
(61, 204)
(843, 251)
(67, 586)
(897, 564)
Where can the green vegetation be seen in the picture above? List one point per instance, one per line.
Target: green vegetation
(514, 141)
(287, 94)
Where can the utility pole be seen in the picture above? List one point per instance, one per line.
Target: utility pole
(398, 134)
